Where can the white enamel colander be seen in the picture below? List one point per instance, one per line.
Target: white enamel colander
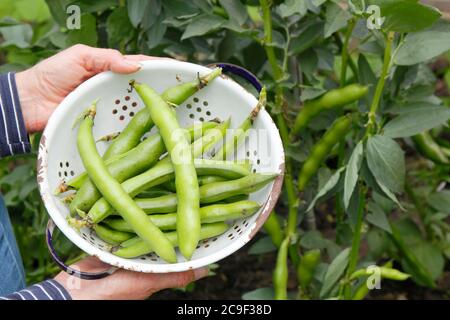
(59, 160)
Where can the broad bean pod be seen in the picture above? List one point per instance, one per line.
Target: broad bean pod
(114, 193)
(208, 214)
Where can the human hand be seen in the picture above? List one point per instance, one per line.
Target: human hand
(123, 284)
(42, 87)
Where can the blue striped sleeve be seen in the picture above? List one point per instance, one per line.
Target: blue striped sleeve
(13, 136)
(46, 290)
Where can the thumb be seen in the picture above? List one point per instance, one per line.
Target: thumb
(98, 60)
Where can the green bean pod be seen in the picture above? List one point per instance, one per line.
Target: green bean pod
(332, 99)
(195, 132)
(202, 180)
(114, 193)
(135, 247)
(160, 173)
(273, 229)
(236, 198)
(142, 121)
(178, 147)
(129, 165)
(208, 214)
(112, 236)
(322, 148)
(280, 274)
(231, 145)
(307, 266)
(228, 169)
(217, 191)
(209, 193)
(426, 145)
(384, 272)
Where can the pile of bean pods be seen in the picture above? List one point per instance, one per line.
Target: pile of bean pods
(161, 192)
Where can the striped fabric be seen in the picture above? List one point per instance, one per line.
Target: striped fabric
(46, 290)
(13, 137)
(14, 140)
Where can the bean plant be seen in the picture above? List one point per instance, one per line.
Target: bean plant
(352, 87)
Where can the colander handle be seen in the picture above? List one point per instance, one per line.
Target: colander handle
(76, 273)
(241, 72)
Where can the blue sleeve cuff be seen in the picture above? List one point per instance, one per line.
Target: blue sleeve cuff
(46, 290)
(13, 136)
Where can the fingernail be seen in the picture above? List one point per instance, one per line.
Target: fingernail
(200, 273)
(134, 64)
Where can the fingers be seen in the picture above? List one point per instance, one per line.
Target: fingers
(97, 60)
(160, 281)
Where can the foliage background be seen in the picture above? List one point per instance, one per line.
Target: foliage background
(307, 39)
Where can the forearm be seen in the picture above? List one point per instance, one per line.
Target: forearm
(13, 136)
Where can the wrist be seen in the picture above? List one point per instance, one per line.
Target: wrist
(29, 98)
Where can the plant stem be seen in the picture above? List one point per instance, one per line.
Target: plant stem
(354, 253)
(281, 122)
(350, 61)
(341, 150)
(344, 51)
(380, 85)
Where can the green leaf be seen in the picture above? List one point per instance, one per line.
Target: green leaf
(291, 7)
(89, 6)
(152, 15)
(389, 194)
(440, 201)
(424, 45)
(386, 161)
(377, 217)
(136, 11)
(313, 240)
(29, 10)
(259, 294)
(431, 258)
(306, 38)
(336, 19)
(329, 185)
(310, 93)
(118, 26)
(352, 172)
(334, 272)
(236, 10)
(156, 33)
(263, 245)
(58, 10)
(87, 34)
(202, 25)
(366, 77)
(19, 35)
(180, 8)
(407, 124)
(407, 237)
(406, 15)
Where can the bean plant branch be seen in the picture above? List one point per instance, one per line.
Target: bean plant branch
(284, 132)
(380, 85)
(344, 51)
(281, 122)
(356, 243)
